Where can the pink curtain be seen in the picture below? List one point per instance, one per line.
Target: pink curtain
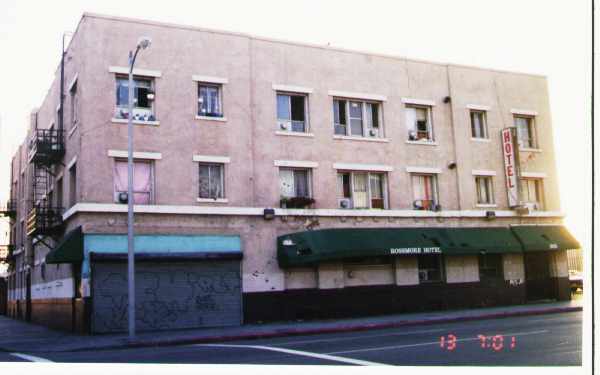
(120, 179)
(142, 183)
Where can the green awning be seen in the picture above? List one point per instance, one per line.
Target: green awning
(69, 250)
(545, 237)
(313, 247)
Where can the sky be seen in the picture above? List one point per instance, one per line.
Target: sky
(552, 38)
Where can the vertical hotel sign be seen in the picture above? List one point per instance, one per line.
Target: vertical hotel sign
(510, 165)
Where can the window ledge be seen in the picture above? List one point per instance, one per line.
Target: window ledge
(480, 139)
(294, 134)
(527, 149)
(361, 139)
(489, 205)
(136, 122)
(210, 200)
(209, 118)
(424, 143)
(72, 130)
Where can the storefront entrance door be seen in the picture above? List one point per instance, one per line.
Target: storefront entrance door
(538, 283)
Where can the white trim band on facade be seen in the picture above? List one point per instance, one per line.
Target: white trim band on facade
(525, 112)
(73, 82)
(296, 163)
(292, 88)
(209, 79)
(418, 101)
(478, 107)
(483, 172)
(428, 170)
(533, 174)
(211, 159)
(136, 155)
(363, 167)
(136, 71)
(259, 211)
(357, 95)
(72, 162)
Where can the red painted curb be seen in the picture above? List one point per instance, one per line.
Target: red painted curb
(338, 329)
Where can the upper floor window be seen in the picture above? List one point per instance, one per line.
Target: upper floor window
(362, 190)
(294, 187)
(292, 112)
(357, 118)
(74, 104)
(418, 123)
(425, 193)
(212, 185)
(478, 124)
(210, 100)
(143, 99)
(526, 131)
(143, 182)
(73, 184)
(485, 190)
(532, 193)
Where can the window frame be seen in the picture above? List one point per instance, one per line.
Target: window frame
(308, 180)
(441, 264)
(483, 260)
(484, 125)
(291, 94)
(222, 182)
(364, 115)
(434, 188)
(219, 87)
(430, 129)
(351, 173)
(531, 129)
(152, 89)
(74, 101)
(539, 191)
(489, 185)
(73, 184)
(152, 178)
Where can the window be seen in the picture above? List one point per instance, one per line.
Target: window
(291, 112)
(425, 192)
(74, 104)
(211, 181)
(490, 266)
(59, 192)
(22, 184)
(485, 190)
(143, 98)
(294, 183)
(418, 123)
(430, 268)
(143, 181)
(362, 190)
(531, 193)
(478, 124)
(525, 131)
(209, 100)
(73, 185)
(356, 118)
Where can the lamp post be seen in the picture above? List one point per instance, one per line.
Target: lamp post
(143, 43)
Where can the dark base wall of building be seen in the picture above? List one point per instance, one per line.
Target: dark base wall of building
(376, 300)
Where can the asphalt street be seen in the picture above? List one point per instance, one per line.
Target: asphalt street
(553, 339)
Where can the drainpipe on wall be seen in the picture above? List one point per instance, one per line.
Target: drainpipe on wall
(457, 166)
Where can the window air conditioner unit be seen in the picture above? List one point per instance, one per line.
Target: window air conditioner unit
(284, 125)
(374, 132)
(532, 206)
(344, 203)
(121, 197)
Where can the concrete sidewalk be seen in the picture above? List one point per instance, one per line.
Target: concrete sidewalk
(18, 336)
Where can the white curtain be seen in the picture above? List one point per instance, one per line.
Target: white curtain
(411, 120)
(360, 193)
(286, 182)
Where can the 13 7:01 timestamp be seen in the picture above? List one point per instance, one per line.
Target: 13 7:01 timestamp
(496, 343)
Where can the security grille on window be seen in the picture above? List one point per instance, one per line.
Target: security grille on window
(531, 193)
(209, 100)
(418, 123)
(485, 192)
(425, 195)
(490, 266)
(356, 118)
(362, 190)
(525, 131)
(478, 124)
(143, 181)
(430, 268)
(211, 181)
(143, 98)
(291, 112)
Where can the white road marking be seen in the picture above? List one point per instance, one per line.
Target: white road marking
(357, 337)
(428, 343)
(30, 358)
(299, 352)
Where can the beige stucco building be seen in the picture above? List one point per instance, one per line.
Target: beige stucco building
(249, 152)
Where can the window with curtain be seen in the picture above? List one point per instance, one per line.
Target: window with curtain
(143, 98)
(143, 181)
(291, 112)
(424, 191)
(209, 100)
(362, 189)
(478, 124)
(211, 181)
(531, 192)
(418, 123)
(525, 131)
(357, 118)
(294, 183)
(485, 193)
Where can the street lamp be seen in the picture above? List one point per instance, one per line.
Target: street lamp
(143, 43)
